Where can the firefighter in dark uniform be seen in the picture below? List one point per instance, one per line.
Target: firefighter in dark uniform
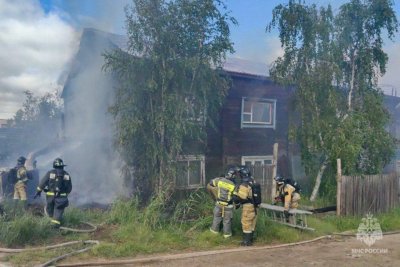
(57, 185)
(223, 210)
(244, 196)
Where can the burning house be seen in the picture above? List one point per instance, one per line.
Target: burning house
(254, 117)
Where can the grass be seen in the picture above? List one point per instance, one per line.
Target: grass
(163, 226)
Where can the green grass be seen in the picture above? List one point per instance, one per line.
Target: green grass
(129, 230)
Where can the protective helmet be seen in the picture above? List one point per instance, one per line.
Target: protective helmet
(244, 172)
(58, 163)
(279, 180)
(230, 174)
(21, 160)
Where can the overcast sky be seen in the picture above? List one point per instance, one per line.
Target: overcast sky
(38, 38)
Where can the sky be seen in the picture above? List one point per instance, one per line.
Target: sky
(38, 39)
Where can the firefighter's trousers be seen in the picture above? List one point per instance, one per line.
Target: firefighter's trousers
(55, 208)
(249, 218)
(224, 214)
(20, 191)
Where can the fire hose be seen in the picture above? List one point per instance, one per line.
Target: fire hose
(50, 262)
(159, 258)
(202, 253)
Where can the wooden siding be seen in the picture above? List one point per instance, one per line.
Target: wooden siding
(360, 195)
(237, 141)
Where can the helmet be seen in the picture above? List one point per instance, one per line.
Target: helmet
(231, 172)
(58, 163)
(244, 172)
(279, 180)
(21, 160)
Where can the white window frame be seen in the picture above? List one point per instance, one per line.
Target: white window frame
(188, 159)
(253, 159)
(258, 124)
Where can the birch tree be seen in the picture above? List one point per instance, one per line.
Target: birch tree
(170, 83)
(335, 61)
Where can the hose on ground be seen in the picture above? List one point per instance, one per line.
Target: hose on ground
(186, 255)
(54, 260)
(383, 233)
(203, 253)
(19, 250)
(93, 228)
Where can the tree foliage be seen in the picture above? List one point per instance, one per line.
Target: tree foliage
(38, 120)
(335, 61)
(170, 83)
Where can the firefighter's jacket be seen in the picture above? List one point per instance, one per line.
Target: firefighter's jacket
(289, 196)
(56, 182)
(22, 174)
(225, 188)
(244, 193)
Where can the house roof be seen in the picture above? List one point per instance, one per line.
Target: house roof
(232, 64)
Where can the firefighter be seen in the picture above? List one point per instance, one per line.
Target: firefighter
(288, 193)
(20, 181)
(244, 196)
(57, 185)
(223, 210)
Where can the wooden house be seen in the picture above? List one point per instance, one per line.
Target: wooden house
(254, 116)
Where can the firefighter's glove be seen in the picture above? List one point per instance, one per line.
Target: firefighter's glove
(38, 193)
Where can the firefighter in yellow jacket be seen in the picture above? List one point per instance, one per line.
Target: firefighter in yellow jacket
(244, 196)
(288, 193)
(21, 180)
(223, 188)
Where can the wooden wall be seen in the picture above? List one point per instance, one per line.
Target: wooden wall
(374, 194)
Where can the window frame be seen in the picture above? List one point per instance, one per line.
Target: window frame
(257, 158)
(255, 124)
(188, 159)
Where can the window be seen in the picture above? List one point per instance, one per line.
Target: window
(256, 160)
(260, 166)
(190, 173)
(258, 113)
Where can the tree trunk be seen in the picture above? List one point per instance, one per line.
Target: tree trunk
(318, 180)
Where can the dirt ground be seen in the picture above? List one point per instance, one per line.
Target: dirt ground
(337, 252)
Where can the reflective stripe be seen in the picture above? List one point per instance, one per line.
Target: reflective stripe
(214, 232)
(55, 221)
(52, 194)
(39, 189)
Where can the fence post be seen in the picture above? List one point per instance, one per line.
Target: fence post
(338, 187)
(274, 170)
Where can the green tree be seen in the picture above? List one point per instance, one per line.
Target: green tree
(39, 120)
(335, 60)
(170, 83)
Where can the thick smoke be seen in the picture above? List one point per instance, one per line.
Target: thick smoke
(88, 126)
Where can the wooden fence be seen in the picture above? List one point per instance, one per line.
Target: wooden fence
(359, 195)
(264, 174)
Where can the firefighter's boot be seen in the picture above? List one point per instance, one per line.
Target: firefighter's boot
(246, 239)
